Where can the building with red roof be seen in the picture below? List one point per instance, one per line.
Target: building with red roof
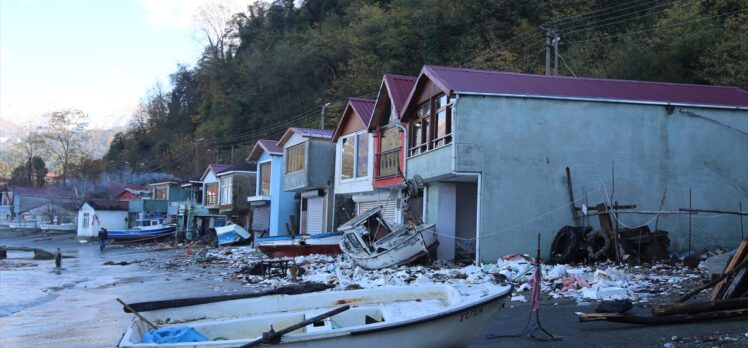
(505, 156)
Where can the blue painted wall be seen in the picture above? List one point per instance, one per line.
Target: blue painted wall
(281, 202)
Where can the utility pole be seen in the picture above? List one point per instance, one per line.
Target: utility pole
(555, 52)
(322, 116)
(551, 40)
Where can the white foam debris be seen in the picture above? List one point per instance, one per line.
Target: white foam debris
(579, 283)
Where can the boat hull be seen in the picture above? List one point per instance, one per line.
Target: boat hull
(58, 228)
(455, 325)
(141, 234)
(327, 244)
(231, 234)
(420, 244)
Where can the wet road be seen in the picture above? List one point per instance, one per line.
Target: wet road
(77, 308)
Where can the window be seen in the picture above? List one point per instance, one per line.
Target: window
(161, 193)
(433, 125)
(388, 158)
(265, 179)
(348, 161)
(295, 158)
(355, 153)
(85, 219)
(362, 155)
(211, 193)
(226, 183)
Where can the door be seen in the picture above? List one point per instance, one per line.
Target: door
(315, 215)
(261, 218)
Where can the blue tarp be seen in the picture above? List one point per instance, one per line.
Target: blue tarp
(173, 335)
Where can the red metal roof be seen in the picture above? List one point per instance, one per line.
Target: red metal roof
(362, 107)
(399, 87)
(216, 168)
(462, 80)
(267, 145)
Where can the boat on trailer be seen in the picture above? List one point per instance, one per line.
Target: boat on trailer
(306, 244)
(372, 243)
(400, 316)
(149, 228)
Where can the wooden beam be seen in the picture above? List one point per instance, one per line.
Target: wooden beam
(699, 307)
(740, 254)
(741, 213)
(672, 319)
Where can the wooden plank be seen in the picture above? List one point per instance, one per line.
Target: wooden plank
(672, 319)
(699, 307)
(738, 285)
(714, 282)
(740, 254)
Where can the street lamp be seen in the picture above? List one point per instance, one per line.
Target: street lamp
(322, 116)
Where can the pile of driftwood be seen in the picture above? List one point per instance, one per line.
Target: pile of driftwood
(729, 298)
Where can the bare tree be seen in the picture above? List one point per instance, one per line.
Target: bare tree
(214, 20)
(31, 144)
(64, 132)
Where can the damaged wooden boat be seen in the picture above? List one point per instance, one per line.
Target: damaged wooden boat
(407, 316)
(231, 233)
(306, 244)
(373, 243)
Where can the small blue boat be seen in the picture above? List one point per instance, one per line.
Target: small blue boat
(146, 229)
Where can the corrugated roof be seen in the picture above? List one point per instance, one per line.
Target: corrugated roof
(43, 192)
(362, 107)
(267, 145)
(399, 87)
(105, 204)
(241, 167)
(462, 80)
(215, 167)
(305, 132)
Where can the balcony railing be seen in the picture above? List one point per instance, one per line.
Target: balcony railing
(388, 163)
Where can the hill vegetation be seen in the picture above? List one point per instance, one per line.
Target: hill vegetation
(275, 64)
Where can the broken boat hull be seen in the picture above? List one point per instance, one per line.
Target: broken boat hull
(286, 246)
(425, 316)
(230, 234)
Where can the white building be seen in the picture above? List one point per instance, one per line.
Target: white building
(97, 213)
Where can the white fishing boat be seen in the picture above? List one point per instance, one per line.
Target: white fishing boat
(407, 316)
(231, 233)
(58, 228)
(26, 225)
(373, 243)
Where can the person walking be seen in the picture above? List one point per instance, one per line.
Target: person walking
(58, 260)
(103, 236)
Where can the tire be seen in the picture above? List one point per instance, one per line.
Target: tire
(565, 247)
(598, 244)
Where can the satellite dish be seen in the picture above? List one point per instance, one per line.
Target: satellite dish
(584, 209)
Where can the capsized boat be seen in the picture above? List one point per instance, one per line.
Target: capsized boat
(306, 244)
(372, 243)
(400, 316)
(146, 229)
(231, 233)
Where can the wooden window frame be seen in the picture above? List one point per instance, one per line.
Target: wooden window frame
(269, 176)
(388, 154)
(295, 157)
(427, 135)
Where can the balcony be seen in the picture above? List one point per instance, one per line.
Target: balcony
(388, 163)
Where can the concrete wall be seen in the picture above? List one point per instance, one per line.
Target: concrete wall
(522, 147)
(319, 166)
(431, 164)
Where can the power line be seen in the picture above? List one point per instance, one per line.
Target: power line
(596, 13)
(696, 20)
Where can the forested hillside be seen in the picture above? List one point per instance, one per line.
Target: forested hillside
(276, 64)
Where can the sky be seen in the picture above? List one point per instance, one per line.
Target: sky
(99, 56)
